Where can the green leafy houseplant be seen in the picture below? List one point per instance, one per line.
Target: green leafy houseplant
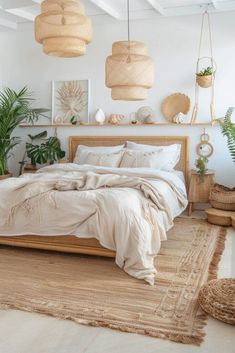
(201, 167)
(228, 130)
(48, 151)
(206, 71)
(15, 107)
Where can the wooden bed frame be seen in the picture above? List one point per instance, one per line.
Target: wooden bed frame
(91, 246)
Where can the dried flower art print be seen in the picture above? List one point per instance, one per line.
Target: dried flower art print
(70, 102)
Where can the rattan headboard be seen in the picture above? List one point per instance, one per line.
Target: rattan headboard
(74, 141)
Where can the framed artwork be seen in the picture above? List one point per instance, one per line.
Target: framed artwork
(70, 102)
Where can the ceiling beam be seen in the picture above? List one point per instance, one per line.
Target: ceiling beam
(22, 13)
(13, 4)
(157, 7)
(8, 24)
(215, 4)
(103, 5)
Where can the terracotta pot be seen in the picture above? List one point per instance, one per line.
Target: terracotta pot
(5, 176)
(205, 81)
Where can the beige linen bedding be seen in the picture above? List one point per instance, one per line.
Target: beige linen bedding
(127, 210)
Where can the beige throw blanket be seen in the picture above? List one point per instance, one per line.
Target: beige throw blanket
(127, 211)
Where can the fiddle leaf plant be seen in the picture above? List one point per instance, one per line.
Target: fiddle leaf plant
(15, 108)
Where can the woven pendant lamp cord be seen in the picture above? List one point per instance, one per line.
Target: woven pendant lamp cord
(128, 60)
(128, 21)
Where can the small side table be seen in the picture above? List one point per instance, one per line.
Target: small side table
(199, 191)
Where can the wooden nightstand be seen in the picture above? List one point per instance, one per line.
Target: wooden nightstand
(199, 191)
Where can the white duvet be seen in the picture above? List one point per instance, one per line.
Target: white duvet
(128, 210)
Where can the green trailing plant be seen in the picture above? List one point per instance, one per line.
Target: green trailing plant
(206, 71)
(48, 151)
(15, 108)
(228, 130)
(201, 167)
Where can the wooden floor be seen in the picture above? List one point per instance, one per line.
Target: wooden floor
(22, 332)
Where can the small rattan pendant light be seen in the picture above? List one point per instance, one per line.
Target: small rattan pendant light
(63, 28)
(129, 70)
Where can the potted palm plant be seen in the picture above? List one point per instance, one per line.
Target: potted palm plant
(15, 107)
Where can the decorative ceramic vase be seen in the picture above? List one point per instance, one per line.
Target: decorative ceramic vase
(100, 117)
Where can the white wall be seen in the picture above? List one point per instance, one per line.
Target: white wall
(172, 43)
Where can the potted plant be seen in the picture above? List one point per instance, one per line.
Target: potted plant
(15, 107)
(205, 77)
(228, 130)
(201, 167)
(48, 151)
(221, 196)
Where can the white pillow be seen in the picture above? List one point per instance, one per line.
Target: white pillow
(112, 159)
(100, 149)
(141, 159)
(171, 153)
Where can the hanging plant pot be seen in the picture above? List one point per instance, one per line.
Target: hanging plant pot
(205, 81)
(5, 176)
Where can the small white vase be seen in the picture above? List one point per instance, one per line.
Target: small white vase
(100, 117)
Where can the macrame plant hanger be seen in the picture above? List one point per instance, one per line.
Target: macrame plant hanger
(205, 81)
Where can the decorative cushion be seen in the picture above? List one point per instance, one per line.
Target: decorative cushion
(171, 153)
(100, 149)
(112, 159)
(217, 298)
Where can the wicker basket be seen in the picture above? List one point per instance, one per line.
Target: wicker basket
(217, 298)
(222, 197)
(205, 81)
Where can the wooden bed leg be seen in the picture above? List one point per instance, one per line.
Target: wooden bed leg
(190, 208)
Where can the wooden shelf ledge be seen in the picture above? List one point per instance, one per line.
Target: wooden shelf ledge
(118, 125)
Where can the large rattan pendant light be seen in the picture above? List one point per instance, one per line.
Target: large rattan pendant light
(129, 71)
(62, 28)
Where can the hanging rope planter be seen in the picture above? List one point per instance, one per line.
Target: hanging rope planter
(205, 77)
(62, 28)
(129, 70)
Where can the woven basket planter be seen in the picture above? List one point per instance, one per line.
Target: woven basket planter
(62, 28)
(129, 71)
(217, 298)
(222, 197)
(204, 81)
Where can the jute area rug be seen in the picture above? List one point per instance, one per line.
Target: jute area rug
(94, 291)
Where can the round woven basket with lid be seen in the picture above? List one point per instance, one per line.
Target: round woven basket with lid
(217, 298)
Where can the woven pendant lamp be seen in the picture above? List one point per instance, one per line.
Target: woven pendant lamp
(62, 28)
(129, 70)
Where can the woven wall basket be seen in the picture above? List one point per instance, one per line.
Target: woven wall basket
(204, 81)
(222, 197)
(129, 71)
(62, 28)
